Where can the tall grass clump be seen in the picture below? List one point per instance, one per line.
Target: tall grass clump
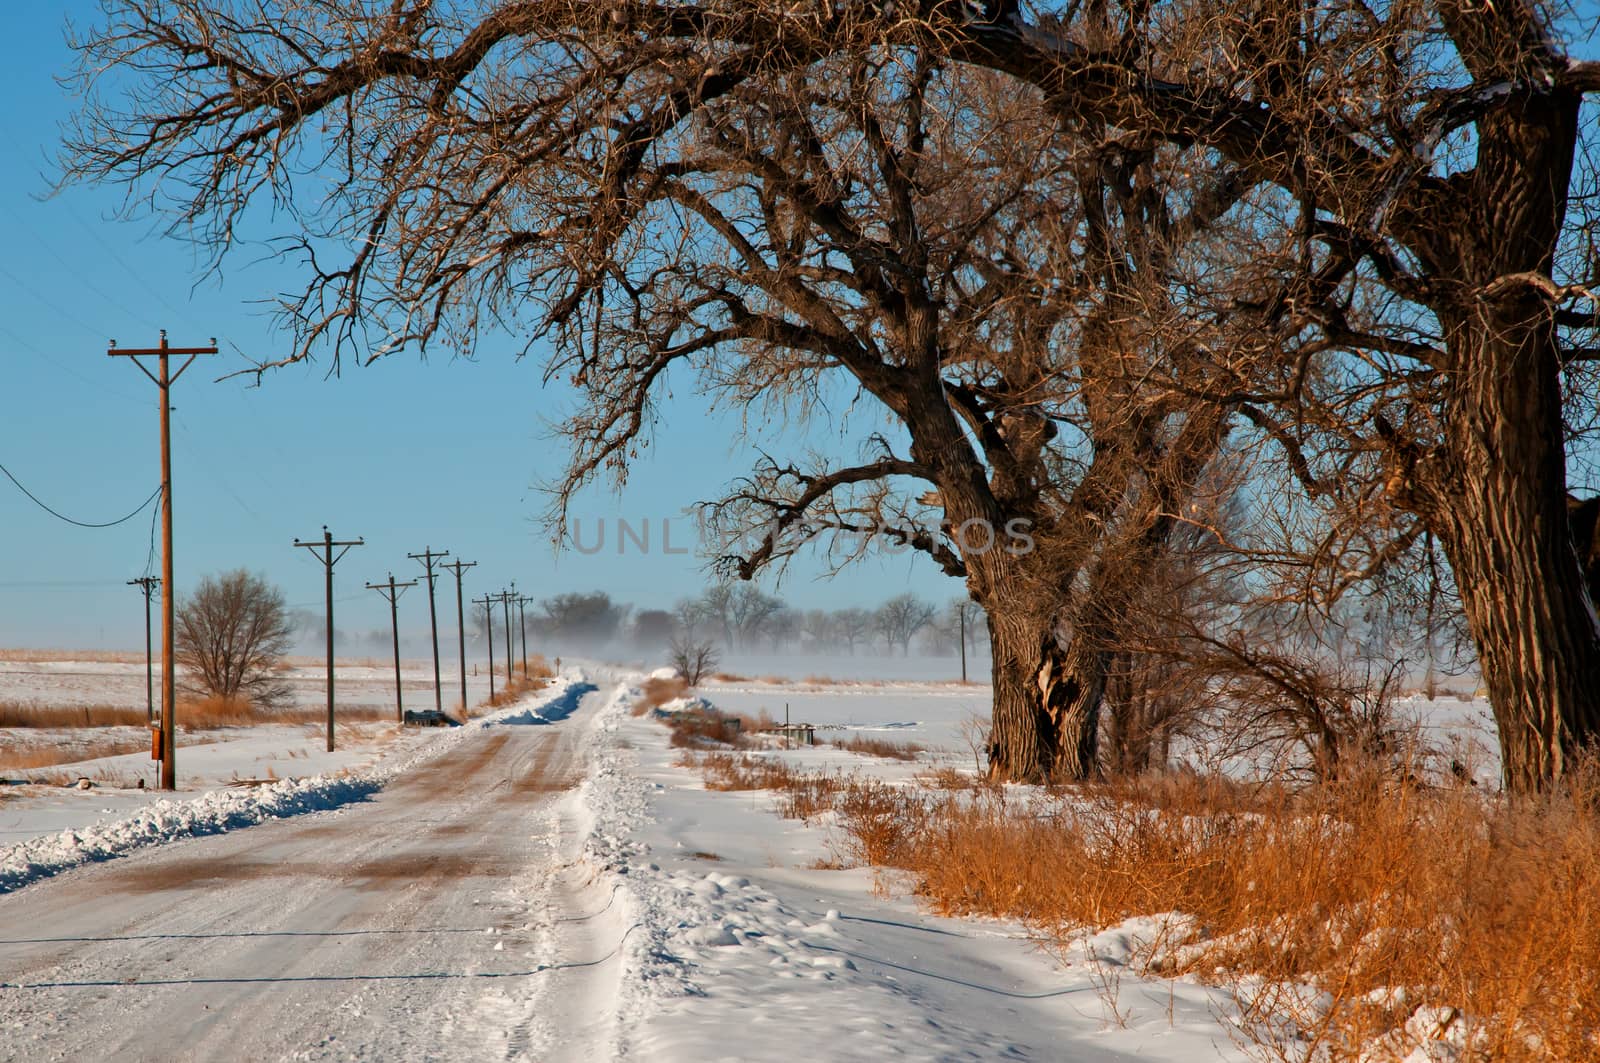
(1418, 915)
(1420, 919)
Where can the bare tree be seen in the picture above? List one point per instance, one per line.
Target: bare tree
(654, 628)
(230, 633)
(786, 203)
(1437, 310)
(693, 660)
(854, 626)
(900, 618)
(588, 618)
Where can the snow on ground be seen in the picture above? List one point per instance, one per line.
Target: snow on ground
(683, 924)
(737, 945)
(207, 760)
(219, 810)
(362, 681)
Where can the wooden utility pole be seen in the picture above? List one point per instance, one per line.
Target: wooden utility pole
(488, 626)
(459, 567)
(148, 584)
(522, 617)
(505, 601)
(163, 380)
(963, 614)
(323, 550)
(393, 591)
(428, 559)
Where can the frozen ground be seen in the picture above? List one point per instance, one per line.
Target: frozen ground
(361, 681)
(551, 884)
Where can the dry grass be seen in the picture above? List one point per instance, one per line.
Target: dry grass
(214, 713)
(878, 747)
(519, 687)
(30, 715)
(1417, 914)
(803, 795)
(194, 714)
(1389, 901)
(700, 729)
(24, 759)
(655, 693)
(96, 656)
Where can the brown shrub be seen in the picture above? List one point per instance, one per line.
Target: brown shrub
(701, 728)
(878, 747)
(98, 656)
(655, 693)
(881, 823)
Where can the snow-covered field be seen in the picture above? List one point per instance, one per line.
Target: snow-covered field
(207, 760)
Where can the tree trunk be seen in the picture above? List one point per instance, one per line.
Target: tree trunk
(1494, 492)
(1504, 528)
(1047, 698)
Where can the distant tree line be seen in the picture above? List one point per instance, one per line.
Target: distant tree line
(742, 618)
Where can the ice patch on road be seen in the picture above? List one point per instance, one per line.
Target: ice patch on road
(224, 810)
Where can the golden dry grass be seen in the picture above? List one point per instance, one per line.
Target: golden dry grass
(31, 757)
(879, 747)
(518, 687)
(655, 693)
(194, 714)
(213, 713)
(30, 656)
(30, 715)
(1417, 913)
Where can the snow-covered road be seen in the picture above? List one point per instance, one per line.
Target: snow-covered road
(403, 927)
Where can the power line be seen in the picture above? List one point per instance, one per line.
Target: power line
(80, 523)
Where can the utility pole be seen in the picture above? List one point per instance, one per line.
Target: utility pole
(428, 559)
(163, 380)
(393, 591)
(505, 601)
(522, 618)
(323, 550)
(148, 584)
(488, 626)
(459, 567)
(963, 614)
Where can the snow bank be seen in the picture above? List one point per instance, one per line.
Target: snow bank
(230, 809)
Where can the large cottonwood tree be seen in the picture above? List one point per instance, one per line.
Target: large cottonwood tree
(1429, 273)
(796, 214)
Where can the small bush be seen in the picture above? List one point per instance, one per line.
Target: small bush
(655, 693)
(698, 728)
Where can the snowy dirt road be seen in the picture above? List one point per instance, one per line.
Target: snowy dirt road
(407, 927)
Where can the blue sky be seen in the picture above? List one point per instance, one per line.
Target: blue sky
(406, 453)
